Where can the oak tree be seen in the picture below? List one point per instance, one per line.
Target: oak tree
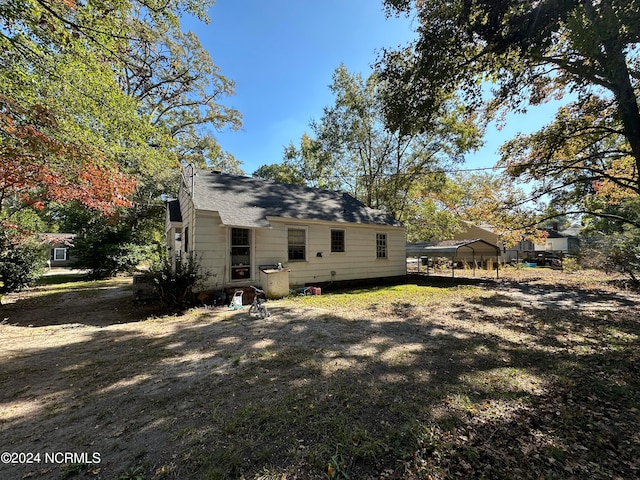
(529, 52)
(101, 101)
(353, 149)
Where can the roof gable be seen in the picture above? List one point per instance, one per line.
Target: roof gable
(247, 202)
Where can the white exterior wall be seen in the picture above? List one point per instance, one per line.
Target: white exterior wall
(269, 246)
(188, 219)
(210, 246)
(358, 261)
(552, 245)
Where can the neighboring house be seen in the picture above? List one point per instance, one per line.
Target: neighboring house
(561, 243)
(60, 249)
(235, 225)
(556, 243)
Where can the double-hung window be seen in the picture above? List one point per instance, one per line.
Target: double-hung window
(240, 254)
(297, 244)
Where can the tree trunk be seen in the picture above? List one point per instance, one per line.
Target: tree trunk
(616, 70)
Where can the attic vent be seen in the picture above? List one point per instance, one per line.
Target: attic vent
(216, 172)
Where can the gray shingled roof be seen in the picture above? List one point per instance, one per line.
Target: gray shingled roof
(246, 202)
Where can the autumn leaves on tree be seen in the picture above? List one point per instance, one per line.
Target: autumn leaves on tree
(101, 102)
(38, 168)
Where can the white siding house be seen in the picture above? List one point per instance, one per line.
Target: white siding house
(234, 225)
(561, 243)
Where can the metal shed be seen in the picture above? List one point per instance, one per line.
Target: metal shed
(467, 250)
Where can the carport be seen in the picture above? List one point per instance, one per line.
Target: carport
(465, 250)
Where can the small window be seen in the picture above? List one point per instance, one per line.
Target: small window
(381, 245)
(59, 254)
(337, 240)
(297, 243)
(186, 239)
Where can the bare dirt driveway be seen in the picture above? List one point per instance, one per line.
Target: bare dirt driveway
(530, 377)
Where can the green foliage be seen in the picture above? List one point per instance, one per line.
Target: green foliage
(619, 252)
(354, 150)
(570, 265)
(26, 219)
(175, 282)
(311, 163)
(105, 260)
(337, 468)
(427, 219)
(530, 53)
(178, 88)
(374, 163)
(107, 246)
(611, 243)
(21, 262)
(94, 87)
(133, 473)
(281, 173)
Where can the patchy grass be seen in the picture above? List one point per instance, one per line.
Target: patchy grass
(389, 298)
(62, 278)
(50, 289)
(510, 380)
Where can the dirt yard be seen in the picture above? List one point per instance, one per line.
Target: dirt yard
(532, 376)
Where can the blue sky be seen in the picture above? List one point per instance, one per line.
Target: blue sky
(282, 54)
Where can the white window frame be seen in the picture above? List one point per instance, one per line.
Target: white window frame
(344, 240)
(386, 245)
(233, 268)
(64, 254)
(306, 243)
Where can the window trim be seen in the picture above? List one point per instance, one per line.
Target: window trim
(379, 236)
(55, 254)
(233, 268)
(344, 240)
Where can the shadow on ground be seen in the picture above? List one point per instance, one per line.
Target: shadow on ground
(79, 302)
(492, 387)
